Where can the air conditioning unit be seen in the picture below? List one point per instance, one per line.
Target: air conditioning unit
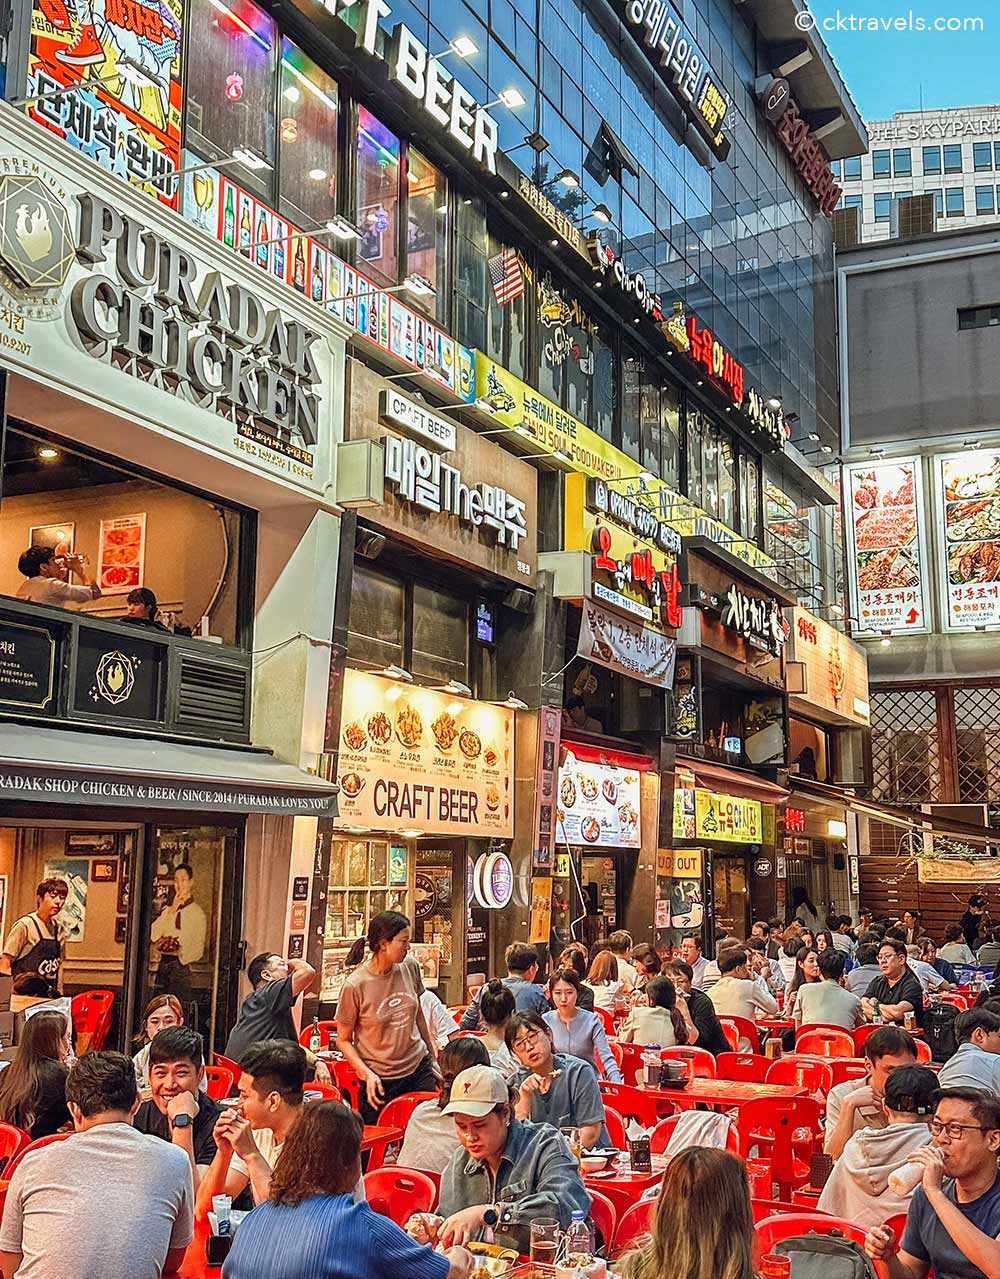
(846, 225)
(913, 215)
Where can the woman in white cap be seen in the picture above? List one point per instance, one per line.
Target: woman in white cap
(507, 1173)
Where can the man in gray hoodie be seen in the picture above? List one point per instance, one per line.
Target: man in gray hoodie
(858, 1187)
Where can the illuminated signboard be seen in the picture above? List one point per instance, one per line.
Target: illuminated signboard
(552, 215)
(968, 493)
(795, 820)
(718, 363)
(801, 143)
(685, 70)
(631, 283)
(886, 559)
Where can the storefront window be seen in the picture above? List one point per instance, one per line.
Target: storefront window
(792, 540)
(508, 288)
(377, 620)
(651, 419)
(749, 496)
(307, 138)
(695, 425)
(358, 885)
(120, 531)
(230, 82)
(377, 197)
(726, 454)
(710, 467)
(426, 230)
(573, 359)
(434, 646)
(471, 253)
(440, 635)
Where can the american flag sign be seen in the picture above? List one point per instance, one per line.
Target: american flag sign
(505, 276)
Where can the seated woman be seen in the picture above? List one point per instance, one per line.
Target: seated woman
(161, 1011)
(310, 1224)
(429, 1139)
(609, 990)
(577, 960)
(647, 964)
(507, 1173)
(806, 973)
(575, 1031)
(496, 1007)
(703, 1224)
(33, 1087)
(663, 1022)
(553, 1088)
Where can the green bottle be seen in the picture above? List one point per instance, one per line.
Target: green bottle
(229, 221)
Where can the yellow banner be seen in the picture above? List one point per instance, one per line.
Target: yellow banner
(727, 818)
(679, 863)
(541, 910)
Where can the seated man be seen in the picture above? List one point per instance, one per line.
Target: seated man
(736, 994)
(553, 1088)
(522, 969)
(508, 1171)
(954, 1219)
(710, 1034)
(249, 1139)
(897, 991)
(976, 1062)
(858, 1187)
(46, 578)
(931, 981)
(826, 1002)
(854, 1105)
(865, 968)
(178, 1111)
(266, 1013)
(109, 1201)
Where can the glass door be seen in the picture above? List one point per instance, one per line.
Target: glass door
(732, 901)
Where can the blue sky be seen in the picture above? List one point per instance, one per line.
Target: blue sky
(886, 70)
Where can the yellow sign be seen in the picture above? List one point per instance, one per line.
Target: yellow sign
(413, 759)
(553, 430)
(726, 818)
(560, 866)
(540, 924)
(679, 863)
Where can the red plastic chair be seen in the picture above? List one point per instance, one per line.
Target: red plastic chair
(732, 1035)
(748, 1036)
(604, 1215)
(960, 1001)
(804, 1072)
(924, 1054)
(763, 1208)
(398, 1193)
(315, 1091)
(607, 1020)
(327, 1033)
(456, 1010)
(615, 1125)
(862, 1034)
(616, 1051)
(631, 1060)
(32, 1145)
(786, 1131)
(630, 1102)
(824, 1043)
(92, 1016)
(700, 1062)
(751, 1068)
(12, 1141)
(845, 1068)
(227, 1063)
(784, 1225)
(220, 1082)
(664, 1130)
(398, 1111)
(637, 1221)
(348, 1081)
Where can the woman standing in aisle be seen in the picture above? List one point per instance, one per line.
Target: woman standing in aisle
(381, 1028)
(574, 1030)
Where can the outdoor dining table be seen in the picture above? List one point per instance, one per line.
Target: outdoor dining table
(722, 1092)
(624, 1179)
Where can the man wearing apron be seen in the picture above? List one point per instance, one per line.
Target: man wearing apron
(35, 943)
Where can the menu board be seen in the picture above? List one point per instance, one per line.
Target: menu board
(888, 572)
(599, 804)
(412, 759)
(121, 552)
(129, 128)
(968, 490)
(726, 818)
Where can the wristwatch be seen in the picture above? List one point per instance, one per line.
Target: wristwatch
(490, 1217)
(182, 1121)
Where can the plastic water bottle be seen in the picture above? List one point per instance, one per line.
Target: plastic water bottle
(579, 1240)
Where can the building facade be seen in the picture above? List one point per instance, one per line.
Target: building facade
(921, 455)
(953, 154)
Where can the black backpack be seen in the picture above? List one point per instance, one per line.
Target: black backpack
(939, 1030)
(830, 1256)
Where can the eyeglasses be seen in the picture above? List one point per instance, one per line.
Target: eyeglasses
(528, 1041)
(954, 1131)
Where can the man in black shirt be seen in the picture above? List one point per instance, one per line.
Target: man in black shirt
(267, 1010)
(178, 1112)
(710, 1033)
(898, 990)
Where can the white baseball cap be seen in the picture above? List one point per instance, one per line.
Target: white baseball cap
(476, 1091)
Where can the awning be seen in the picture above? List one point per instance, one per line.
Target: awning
(929, 823)
(61, 766)
(734, 781)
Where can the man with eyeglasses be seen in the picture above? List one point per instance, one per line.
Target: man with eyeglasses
(954, 1219)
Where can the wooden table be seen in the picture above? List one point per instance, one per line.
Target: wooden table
(723, 1092)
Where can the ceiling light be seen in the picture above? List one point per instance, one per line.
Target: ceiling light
(523, 430)
(464, 46)
(47, 453)
(441, 208)
(514, 703)
(813, 435)
(504, 194)
(317, 175)
(511, 99)
(410, 834)
(454, 686)
(355, 830)
(826, 448)
(396, 672)
(568, 178)
(467, 200)
(886, 639)
(554, 244)
(601, 212)
(484, 405)
(250, 159)
(699, 382)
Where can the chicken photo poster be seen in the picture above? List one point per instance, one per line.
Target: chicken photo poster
(121, 553)
(968, 488)
(888, 568)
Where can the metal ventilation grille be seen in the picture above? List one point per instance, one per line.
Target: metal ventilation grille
(212, 696)
(905, 762)
(977, 725)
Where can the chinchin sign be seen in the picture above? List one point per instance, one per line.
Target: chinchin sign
(169, 321)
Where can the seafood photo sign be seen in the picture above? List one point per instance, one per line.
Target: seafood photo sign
(968, 489)
(887, 557)
(412, 759)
